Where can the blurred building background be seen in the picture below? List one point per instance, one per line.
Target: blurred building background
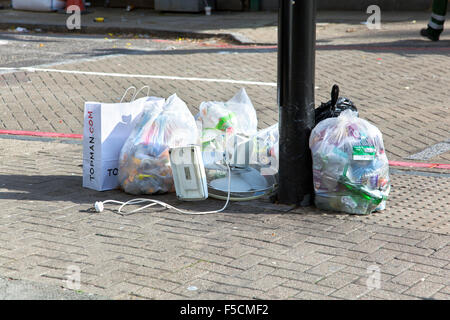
(256, 5)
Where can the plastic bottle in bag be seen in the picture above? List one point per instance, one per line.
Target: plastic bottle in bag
(350, 167)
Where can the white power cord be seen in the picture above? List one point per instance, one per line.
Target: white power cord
(100, 205)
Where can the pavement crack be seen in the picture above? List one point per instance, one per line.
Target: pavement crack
(104, 235)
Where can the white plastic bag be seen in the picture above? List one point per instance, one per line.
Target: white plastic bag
(223, 124)
(350, 166)
(242, 107)
(144, 164)
(38, 5)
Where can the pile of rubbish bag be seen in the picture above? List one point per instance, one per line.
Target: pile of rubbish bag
(227, 131)
(350, 166)
(229, 135)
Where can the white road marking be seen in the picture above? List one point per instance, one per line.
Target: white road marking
(147, 76)
(432, 151)
(4, 70)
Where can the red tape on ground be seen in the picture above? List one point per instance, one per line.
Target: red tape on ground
(80, 136)
(419, 165)
(41, 134)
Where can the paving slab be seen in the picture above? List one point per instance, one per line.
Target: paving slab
(131, 257)
(252, 250)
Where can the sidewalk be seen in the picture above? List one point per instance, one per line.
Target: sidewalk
(253, 250)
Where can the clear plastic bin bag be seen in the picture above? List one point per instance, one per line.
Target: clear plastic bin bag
(144, 163)
(350, 166)
(222, 123)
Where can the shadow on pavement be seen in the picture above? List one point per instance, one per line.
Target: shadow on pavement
(55, 189)
(68, 188)
(45, 188)
(401, 47)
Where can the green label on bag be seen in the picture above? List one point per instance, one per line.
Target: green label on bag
(364, 153)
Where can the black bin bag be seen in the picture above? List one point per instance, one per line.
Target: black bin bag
(334, 107)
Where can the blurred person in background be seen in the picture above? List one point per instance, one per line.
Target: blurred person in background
(437, 19)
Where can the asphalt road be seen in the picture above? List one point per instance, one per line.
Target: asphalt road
(31, 48)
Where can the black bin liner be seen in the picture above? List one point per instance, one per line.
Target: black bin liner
(334, 107)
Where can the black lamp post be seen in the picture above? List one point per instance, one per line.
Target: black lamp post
(296, 67)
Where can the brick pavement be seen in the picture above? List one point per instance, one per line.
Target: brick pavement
(246, 252)
(401, 91)
(255, 250)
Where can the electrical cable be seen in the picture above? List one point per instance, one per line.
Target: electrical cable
(99, 205)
